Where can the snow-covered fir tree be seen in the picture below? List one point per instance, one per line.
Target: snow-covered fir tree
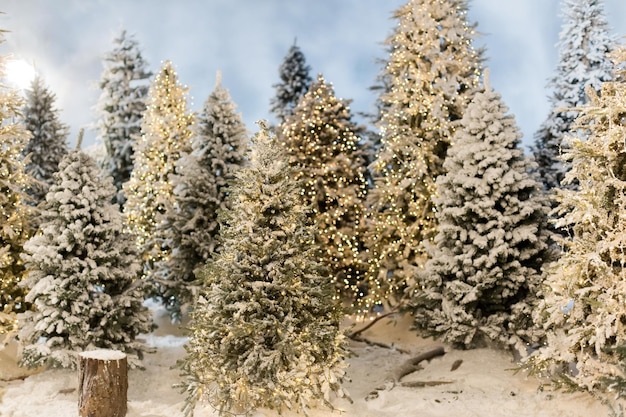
(583, 310)
(82, 273)
(48, 142)
(165, 135)
(265, 331)
(431, 74)
(200, 190)
(321, 143)
(16, 215)
(295, 81)
(584, 42)
(484, 271)
(124, 83)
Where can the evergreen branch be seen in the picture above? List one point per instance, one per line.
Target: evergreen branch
(408, 367)
(380, 344)
(422, 384)
(356, 334)
(412, 365)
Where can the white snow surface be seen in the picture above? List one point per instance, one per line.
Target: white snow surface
(485, 384)
(104, 355)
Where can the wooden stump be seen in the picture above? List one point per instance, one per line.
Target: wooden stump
(103, 383)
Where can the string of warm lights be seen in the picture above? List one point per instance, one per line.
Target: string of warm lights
(432, 69)
(166, 132)
(322, 145)
(15, 214)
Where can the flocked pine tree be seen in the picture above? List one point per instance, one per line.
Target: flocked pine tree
(584, 43)
(265, 332)
(295, 81)
(16, 216)
(122, 103)
(484, 271)
(200, 190)
(322, 145)
(583, 310)
(165, 135)
(83, 273)
(431, 73)
(48, 142)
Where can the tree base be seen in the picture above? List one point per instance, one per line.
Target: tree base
(103, 384)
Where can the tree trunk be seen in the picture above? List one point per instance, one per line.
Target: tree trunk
(103, 383)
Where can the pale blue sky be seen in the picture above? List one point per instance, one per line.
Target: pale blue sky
(247, 40)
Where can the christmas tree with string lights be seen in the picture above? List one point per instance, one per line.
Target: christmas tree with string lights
(48, 142)
(583, 310)
(82, 273)
(584, 45)
(16, 214)
(165, 135)
(322, 145)
(124, 87)
(430, 76)
(295, 81)
(200, 190)
(485, 266)
(265, 331)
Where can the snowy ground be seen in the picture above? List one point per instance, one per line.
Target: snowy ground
(483, 385)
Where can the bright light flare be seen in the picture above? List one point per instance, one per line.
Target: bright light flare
(19, 73)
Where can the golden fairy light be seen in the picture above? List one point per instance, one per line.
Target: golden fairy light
(416, 126)
(165, 133)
